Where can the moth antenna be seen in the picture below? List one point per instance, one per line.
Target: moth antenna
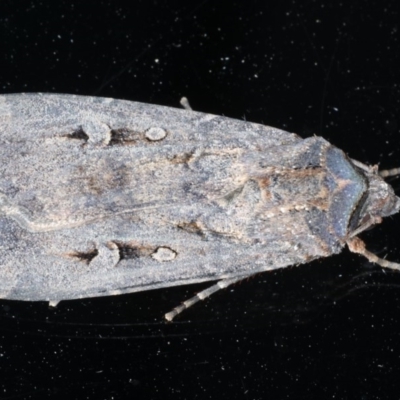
(356, 245)
(389, 172)
(203, 295)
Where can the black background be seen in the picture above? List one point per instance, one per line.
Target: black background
(327, 330)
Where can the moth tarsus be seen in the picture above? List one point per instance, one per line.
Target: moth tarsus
(385, 173)
(202, 296)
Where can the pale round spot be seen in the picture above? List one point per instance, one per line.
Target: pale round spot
(154, 134)
(164, 254)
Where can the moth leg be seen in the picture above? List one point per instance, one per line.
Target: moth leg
(389, 172)
(383, 173)
(185, 104)
(203, 295)
(356, 245)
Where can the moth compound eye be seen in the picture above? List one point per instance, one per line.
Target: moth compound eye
(390, 206)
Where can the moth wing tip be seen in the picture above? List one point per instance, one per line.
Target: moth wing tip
(53, 303)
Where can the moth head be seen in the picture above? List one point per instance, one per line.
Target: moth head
(379, 201)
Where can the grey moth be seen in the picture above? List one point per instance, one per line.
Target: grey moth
(101, 197)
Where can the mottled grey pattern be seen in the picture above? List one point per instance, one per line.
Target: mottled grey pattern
(101, 196)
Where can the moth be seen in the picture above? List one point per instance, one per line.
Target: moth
(101, 197)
